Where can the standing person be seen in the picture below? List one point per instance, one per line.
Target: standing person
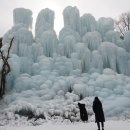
(99, 114)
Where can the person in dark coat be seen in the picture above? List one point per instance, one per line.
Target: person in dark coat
(99, 114)
(83, 112)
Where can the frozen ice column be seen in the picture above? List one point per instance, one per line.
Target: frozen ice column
(71, 18)
(22, 16)
(87, 24)
(44, 22)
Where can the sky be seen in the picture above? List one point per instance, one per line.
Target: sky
(98, 8)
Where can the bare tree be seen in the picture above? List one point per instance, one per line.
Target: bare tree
(123, 23)
(5, 67)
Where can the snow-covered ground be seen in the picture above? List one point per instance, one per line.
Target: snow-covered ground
(109, 125)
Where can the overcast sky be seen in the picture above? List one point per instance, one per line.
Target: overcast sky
(98, 8)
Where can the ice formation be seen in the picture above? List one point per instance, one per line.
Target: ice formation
(49, 43)
(84, 54)
(104, 25)
(108, 52)
(97, 62)
(71, 18)
(23, 16)
(69, 45)
(87, 24)
(67, 32)
(44, 22)
(112, 36)
(89, 59)
(127, 41)
(92, 40)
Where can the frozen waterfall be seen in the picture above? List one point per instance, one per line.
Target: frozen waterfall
(88, 58)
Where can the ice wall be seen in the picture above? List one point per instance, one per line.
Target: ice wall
(44, 22)
(92, 40)
(96, 62)
(80, 40)
(89, 59)
(108, 52)
(23, 16)
(23, 41)
(71, 18)
(127, 40)
(87, 24)
(113, 36)
(84, 55)
(104, 25)
(49, 43)
(69, 45)
(66, 31)
(122, 61)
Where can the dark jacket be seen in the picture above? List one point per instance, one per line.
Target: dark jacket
(98, 110)
(83, 112)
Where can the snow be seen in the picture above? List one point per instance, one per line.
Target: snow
(109, 125)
